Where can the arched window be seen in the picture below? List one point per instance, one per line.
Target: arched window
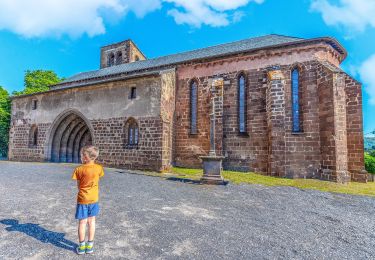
(242, 103)
(193, 107)
(296, 108)
(136, 58)
(33, 136)
(111, 60)
(119, 57)
(132, 133)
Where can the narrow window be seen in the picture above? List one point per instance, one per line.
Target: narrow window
(242, 104)
(130, 141)
(193, 107)
(111, 60)
(119, 58)
(133, 134)
(296, 110)
(136, 58)
(133, 93)
(136, 135)
(33, 137)
(34, 104)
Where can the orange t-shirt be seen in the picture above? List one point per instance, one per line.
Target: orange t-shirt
(87, 176)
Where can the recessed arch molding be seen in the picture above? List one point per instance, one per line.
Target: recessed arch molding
(70, 132)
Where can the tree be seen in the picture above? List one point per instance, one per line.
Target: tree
(370, 163)
(34, 81)
(4, 121)
(38, 81)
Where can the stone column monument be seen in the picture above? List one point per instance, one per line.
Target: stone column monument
(275, 95)
(212, 163)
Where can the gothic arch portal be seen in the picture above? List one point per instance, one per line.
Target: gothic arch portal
(69, 133)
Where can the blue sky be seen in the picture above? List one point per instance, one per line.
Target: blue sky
(65, 35)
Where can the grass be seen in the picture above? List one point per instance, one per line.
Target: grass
(354, 188)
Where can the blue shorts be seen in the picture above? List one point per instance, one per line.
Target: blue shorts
(87, 210)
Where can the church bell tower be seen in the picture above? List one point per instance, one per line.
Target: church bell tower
(120, 53)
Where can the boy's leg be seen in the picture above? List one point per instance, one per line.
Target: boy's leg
(90, 243)
(82, 230)
(81, 249)
(91, 222)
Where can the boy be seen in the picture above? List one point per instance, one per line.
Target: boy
(87, 176)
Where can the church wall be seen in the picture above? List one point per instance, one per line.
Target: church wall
(95, 102)
(250, 152)
(167, 110)
(302, 153)
(188, 147)
(106, 107)
(19, 139)
(330, 145)
(354, 119)
(110, 138)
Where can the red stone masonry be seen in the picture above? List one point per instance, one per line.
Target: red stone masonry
(110, 139)
(327, 98)
(20, 139)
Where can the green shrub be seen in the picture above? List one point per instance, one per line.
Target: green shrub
(370, 163)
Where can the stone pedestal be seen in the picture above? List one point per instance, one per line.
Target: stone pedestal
(212, 166)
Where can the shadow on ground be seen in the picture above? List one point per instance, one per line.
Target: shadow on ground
(184, 180)
(39, 233)
(191, 181)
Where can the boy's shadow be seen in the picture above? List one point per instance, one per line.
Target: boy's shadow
(37, 232)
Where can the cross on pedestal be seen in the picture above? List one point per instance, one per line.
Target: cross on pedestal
(212, 164)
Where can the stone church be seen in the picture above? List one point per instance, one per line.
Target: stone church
(282, 105)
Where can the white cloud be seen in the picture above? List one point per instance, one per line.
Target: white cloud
(354, 15)
(209, 12)
(367, 73)
(36, 18)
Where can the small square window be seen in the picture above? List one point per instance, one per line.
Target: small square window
(34, 104)
(133, 93)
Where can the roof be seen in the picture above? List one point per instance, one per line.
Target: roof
(247, 45)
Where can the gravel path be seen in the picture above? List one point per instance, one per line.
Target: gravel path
(145, 217)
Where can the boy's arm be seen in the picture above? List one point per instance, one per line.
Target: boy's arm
(101, 174)
(74, 175)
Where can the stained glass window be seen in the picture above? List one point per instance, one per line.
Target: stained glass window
(193, 107)
(241, 104)
(295, 101)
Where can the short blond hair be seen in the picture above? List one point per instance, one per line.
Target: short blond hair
(92, 152)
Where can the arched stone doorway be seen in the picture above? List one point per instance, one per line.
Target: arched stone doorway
(68, 136)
